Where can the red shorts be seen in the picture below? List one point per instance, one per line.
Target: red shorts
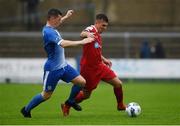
(94, 75)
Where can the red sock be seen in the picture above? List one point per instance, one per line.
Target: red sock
(119, 95)
(79, 98)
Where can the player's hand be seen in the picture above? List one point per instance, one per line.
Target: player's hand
(69, 13)
(91, 35)
(87, 40)
(108, 63)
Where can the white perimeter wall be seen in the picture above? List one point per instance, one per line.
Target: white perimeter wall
(27, 70)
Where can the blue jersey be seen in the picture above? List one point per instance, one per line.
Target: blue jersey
(55, 53)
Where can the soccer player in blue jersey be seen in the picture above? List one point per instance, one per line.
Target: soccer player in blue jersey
(56, 67)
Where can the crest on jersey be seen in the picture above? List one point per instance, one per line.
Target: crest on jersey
(96, 45)
(57, 39)
(49, 88)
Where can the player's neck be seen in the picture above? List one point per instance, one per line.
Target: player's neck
(49, 25)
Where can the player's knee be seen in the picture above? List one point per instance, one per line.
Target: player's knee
(82, 82)
(46, 95)
(79, 81)
(118, 85)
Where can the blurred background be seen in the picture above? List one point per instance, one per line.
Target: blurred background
(142, 40)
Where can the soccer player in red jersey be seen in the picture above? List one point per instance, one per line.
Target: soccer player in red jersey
(94, 67)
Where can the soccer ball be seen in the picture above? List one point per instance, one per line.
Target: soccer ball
(133, 109)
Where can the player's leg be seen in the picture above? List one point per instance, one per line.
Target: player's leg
(118, 91)
(50, 81)
(78, 82)
(92, 78)
(71, 75)
(91, 83)
(36, 100)
(77, 98)
(110, 77)
(83, 95)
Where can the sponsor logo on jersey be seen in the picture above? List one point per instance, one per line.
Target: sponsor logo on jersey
(96, 45)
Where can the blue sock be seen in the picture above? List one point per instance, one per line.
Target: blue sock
(74, 91)
(34, 102)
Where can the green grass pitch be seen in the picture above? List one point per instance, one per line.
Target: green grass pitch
(160, 103)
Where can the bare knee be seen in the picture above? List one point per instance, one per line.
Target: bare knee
(46, 95)
(117, 84)
(82, 82)
(79, 80)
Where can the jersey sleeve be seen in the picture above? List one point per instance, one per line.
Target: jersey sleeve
(89, 29)
(53, 37)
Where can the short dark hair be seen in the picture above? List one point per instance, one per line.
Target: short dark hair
(53, 12)
(102, 17)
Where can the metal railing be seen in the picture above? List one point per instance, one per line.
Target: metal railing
(124, 36)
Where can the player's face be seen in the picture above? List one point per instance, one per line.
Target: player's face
(56, 20)
(101, 25)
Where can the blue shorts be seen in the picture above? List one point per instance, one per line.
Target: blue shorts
(51, 78)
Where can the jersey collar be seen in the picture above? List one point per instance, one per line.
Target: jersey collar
(48, 25)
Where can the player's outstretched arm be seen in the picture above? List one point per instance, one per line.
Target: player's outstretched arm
(68, 14)
(67, 43)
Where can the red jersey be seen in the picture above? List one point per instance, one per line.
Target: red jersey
(92, 67)
(92, 52)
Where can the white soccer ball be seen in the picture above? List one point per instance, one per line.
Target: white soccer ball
(133, 109)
